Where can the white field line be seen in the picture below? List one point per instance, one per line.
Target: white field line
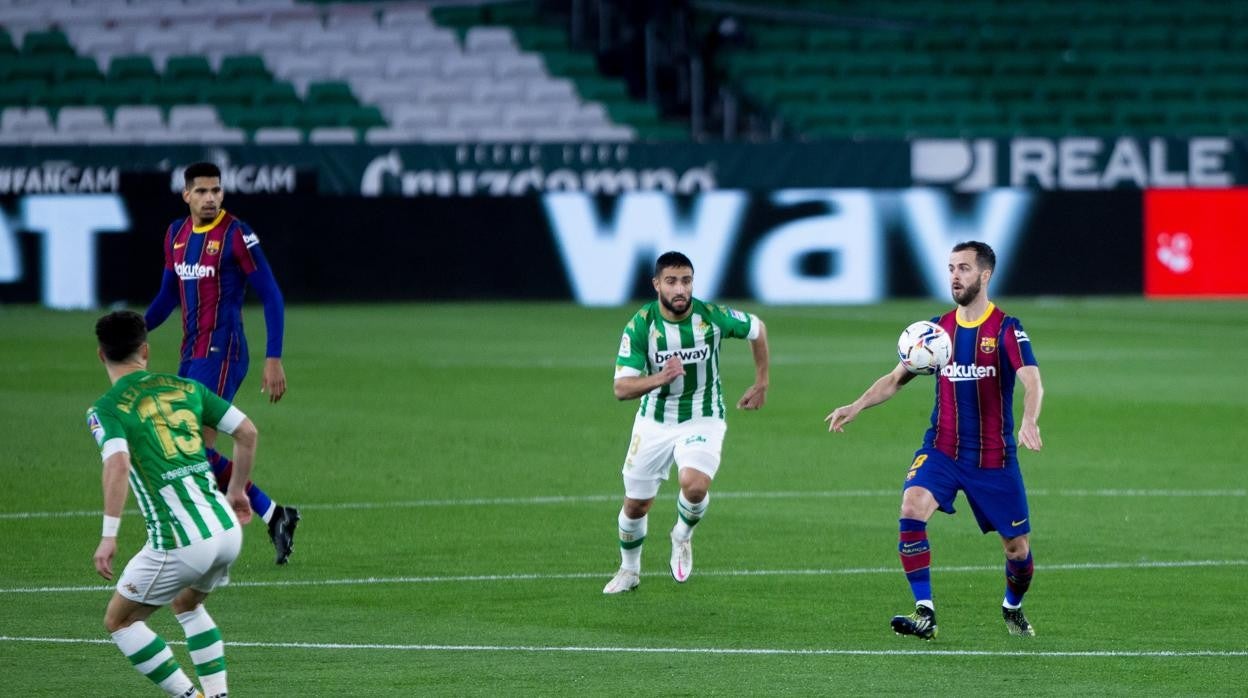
(539, 576)
(597, 498)
(756, 651)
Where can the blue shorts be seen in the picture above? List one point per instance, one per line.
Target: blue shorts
(996, 495)
(221, 373)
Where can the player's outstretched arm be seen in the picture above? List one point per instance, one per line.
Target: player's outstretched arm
(630, 387)
(1033, 396)
(756, 394)
(880, 391)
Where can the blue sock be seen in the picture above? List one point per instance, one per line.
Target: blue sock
(1018, 579)
(222, 467)
(916, 557)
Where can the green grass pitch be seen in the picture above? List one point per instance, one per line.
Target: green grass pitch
(458, 470)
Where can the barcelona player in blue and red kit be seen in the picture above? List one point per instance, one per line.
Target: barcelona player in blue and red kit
(971, 445)
(210, 259)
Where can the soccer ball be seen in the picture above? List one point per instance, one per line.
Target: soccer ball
(924, 347)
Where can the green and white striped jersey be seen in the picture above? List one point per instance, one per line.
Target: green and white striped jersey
(649, 341)
(157, 419)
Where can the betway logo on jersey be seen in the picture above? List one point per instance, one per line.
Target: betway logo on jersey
(686, 356)
(956, 372)
(191, 272)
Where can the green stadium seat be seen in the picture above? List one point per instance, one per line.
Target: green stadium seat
(78, 68)
(1175, 90)
(7, 47)
(1064, 93)
(249, 68)
(74, 92)
(324, 114)
(966, 66)
(228, 93)
(884, 42)
(903, 92)
(47, 43)
(188, 69)
(847, 91)
(1198, 121)
(330, 93)
(931, 121)
(132, 67)
(1092, 37)
(1225, 90)
(458, 17)
(1024, 67)
(597, 89)
(539, 38)
(511, 13)
(114, 94)
(1091, 121)
(570, 64)
(771, 38)
(942, 41)
(812, 64)
(832, 40)
(167, 94)
(982, 119)
(32, 68)
(251, 118)
(21, 93)
(744, 65)
(663, 133)
(878, 122)
(1036, 119)
(365, 117)
(636, 114)
(864, 66)
(913, 65)
(1142, 119)
(276, 94)
(955, 91)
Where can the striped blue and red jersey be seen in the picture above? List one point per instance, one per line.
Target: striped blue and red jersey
(973, 420)
(211, 266)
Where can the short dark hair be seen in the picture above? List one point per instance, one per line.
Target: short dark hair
(200, 169)
(671, 259)
(120, 333)
(984, 256)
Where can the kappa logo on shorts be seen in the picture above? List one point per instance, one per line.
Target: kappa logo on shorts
(695, 439)
(132, 589)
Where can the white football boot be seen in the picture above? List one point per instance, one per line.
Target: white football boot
(624, 580)
(682, 558)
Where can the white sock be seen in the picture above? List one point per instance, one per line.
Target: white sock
(203, 640)
(688, 515)
(632, 535)
(152, 658)
(268, 515)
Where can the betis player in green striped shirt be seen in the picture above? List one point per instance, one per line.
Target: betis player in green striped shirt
(669, 357)
(149, 428)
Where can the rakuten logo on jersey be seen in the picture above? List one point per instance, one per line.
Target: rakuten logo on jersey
(686, 356)
(956, 373)
(192, 272)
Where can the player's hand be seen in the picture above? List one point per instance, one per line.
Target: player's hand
(274, 380)
(241, 506)
(753, 398)
(104, 557)
(1029, 436)
(840, 417)
(672, 370)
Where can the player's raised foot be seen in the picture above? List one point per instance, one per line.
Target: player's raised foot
(624, 580)
(921, 623)
(682, 558)
(1016, 622)
(282, 531)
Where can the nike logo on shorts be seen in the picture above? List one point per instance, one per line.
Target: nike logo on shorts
(1018, 523)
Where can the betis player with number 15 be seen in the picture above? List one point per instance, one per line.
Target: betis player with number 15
(669, 357)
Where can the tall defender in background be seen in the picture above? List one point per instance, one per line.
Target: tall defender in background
(669, 357)
(210, 258)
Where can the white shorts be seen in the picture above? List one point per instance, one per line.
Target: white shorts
(155, 577)
(654, 447)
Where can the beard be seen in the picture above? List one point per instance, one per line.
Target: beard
(968, 294)
(671, 304)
